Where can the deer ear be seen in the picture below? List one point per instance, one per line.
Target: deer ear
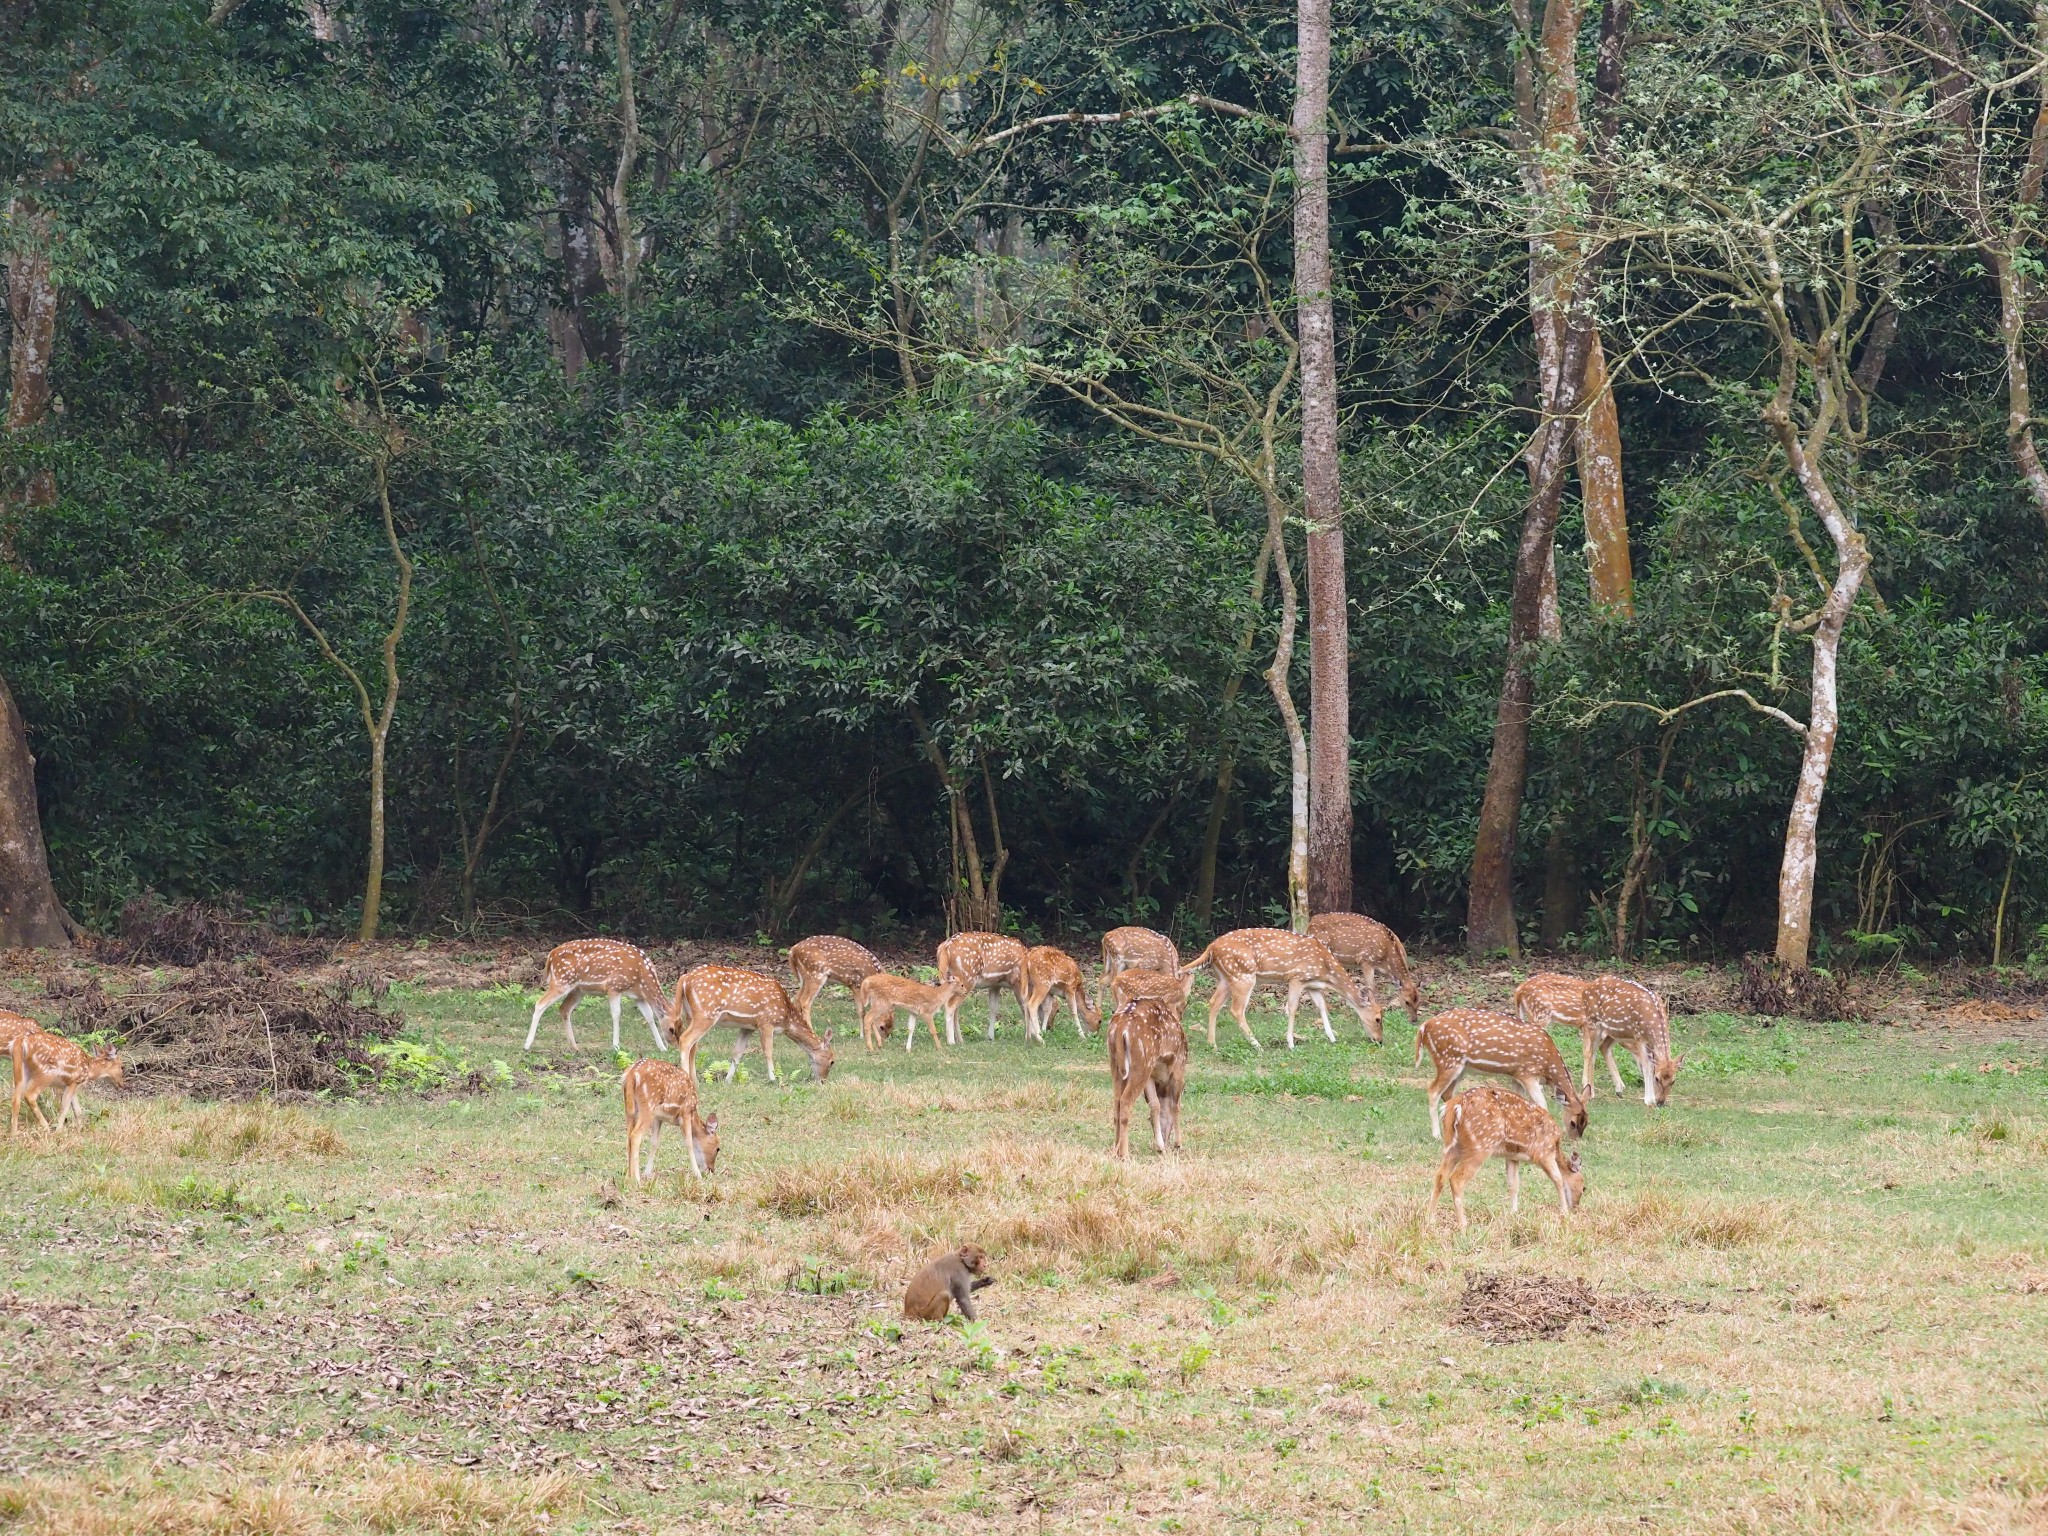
(711, 1123)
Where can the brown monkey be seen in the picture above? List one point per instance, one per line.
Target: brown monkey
(945, 1281)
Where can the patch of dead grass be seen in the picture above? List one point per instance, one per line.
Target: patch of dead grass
(294, 1495)
(1654, 1216)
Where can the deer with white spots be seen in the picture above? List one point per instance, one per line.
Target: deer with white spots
(710, 995)
(43, 1061)
(599, 968)
(1607, 1011)
(1370, 947)
(1148, 1059)
(1048, 969)
(826, 958)
(1484, 1123)
(1135, 949)
(658, 1094)
(1477, 1040)
(1159, 986)
(980, 962)
(882, 997)
(1248, 957)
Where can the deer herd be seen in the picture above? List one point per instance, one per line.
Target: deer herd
(1142, 994)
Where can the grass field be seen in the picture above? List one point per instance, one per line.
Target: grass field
(429, 1308)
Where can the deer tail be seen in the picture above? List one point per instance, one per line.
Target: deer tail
(1197, 963)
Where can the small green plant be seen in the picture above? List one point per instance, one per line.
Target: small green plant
(716, 1289)
(1192, 1359)
(983, 1348)
(812, 1278)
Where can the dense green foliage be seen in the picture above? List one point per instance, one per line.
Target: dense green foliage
(827, 501)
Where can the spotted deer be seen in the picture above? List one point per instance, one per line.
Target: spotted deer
(658, 1094)
(1160, 986)
(710, 995)
(882, 997)
(1135, 949)
(1047, 970)
(599, 968)
(1606, 1011)
(1476, 1040)
(43, 1061)
(1148, 1057)
(1371, 947)
(1249, 956)
(826, 958)
(1484, 1123)
(980, 962)
(12, 1025)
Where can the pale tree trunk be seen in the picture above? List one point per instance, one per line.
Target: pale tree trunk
(1561, 273)
(1226, 752)
(1329, 662)
(31, 916)
(1830, 373)
(624, 245)
(1290, 718)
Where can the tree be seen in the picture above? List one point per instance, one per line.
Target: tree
(1329, 650)
(1564, 266)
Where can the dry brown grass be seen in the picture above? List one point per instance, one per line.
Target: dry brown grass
(294, 1495)
(170, 1129)
(1656, 1216)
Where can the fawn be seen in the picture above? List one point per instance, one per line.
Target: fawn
(13, 1024)
(826, 957)
(1475, 1040)
(1161, 986)
(980, 962)
(593, 967)
(1484, 1123)
(43, 1060)
(1372, 947)
(710, 995)
(1607, 1010)
(658, 1094)
(1243, 959)
(1140, 949)
(1047, 970)
(882, 996)
(1148, 1055)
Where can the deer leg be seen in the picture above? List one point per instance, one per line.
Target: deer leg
(1514, 1187)
(993, 995)
(1158, 1118)
(767, 1034)
(807, 994)
(1461, 1175)
(1586, 1077)
(1216, 999)
(548, 999)
(1293, 1003)
(1642, 1054)
(1532, 1090)
(1446, 1079)
(952, 1020)
(1120, 1144)
(1607, 1046)
(647, 1012)
(569, 1018)
(617, 1001)
(633, 1149)
(1322, 1003)
(1241, 999)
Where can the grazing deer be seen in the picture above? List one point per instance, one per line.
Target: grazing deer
(1607, 1010)
(1160, 986)
(1148, 1055)
(1047, 970)
(1249, 956)
(980, 962)
(710, 995)
(12, 1025)
(658, 1094)
(599, 967)
(882, 996)
(1372, 947)
(826, 958)
(43, 1060)
(1475, 1040)
(1484, 1123)
(1135, 949)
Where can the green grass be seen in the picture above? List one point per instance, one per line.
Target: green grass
(440, 1306)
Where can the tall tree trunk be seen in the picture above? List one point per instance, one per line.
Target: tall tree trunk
(624, 244)
(1610, 579)
(1226, 752)
(1290, 717)
(31, 916)
(1329, 660)
(1560, 299)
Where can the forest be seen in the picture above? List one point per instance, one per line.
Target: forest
(1550, 476)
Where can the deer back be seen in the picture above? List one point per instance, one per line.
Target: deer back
(1549, 997)
(1496, 1121)
(978, 956)
(1144, 948)
(1628, 1010)
(1047, 963)
(834, 958)
(606, 963)
(1160, 986)
(1358, 940)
